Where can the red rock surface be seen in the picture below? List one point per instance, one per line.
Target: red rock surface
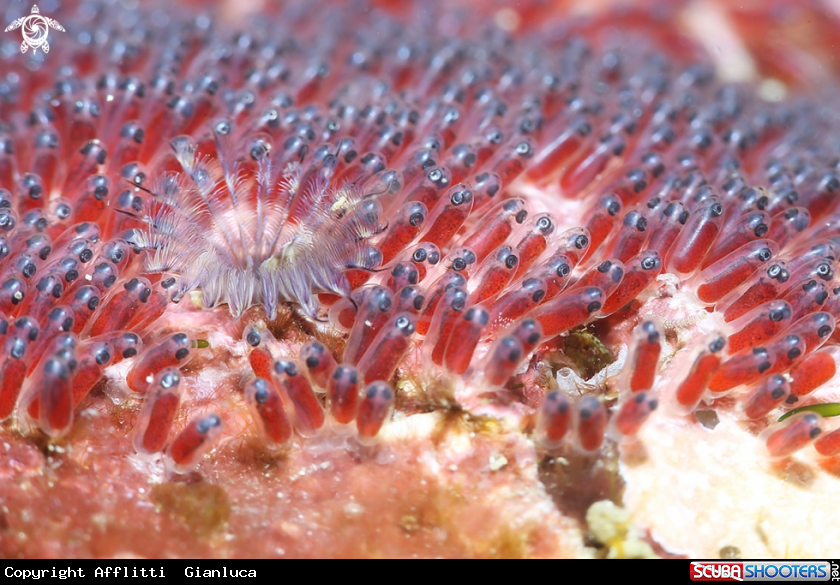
(456, 472)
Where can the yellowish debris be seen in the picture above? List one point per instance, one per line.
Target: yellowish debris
(612, 526)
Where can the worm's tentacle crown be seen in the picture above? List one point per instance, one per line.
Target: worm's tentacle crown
(246, 236)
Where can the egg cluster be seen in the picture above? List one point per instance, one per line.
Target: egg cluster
(457, 190)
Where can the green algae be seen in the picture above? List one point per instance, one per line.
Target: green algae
(587, 353)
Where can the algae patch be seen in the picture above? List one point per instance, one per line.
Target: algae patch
(587, 353)
(203, 507)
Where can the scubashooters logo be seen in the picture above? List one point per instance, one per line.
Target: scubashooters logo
(35, 29)
(761, 571)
